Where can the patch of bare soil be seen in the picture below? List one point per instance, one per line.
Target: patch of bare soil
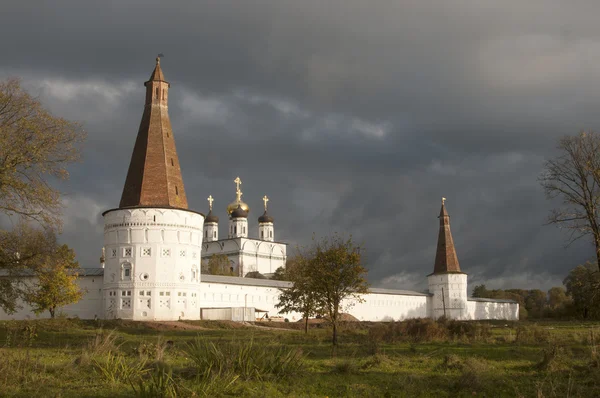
(172, 325)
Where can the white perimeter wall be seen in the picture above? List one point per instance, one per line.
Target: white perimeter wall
(376, 306)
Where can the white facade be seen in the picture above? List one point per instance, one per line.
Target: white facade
(223, 292)
(266, 231)
(211, 231)
(248, 255)
(152, 263)
(449, 298)
(238, 227)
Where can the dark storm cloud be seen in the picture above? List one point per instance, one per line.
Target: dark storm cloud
(352, 116)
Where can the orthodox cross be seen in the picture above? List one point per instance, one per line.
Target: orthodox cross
(238, 182)
(265, 200)
(210, 201)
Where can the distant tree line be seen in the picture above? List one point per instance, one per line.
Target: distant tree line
(578, 299)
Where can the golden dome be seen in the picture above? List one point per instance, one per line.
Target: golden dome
(238, 199)
(234, 205)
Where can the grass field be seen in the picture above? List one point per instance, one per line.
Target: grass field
(73, 358)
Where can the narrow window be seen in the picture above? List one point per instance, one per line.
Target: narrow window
(172, 163)
(176, 190)
(270, 234)
(157, 93)
(262, 234)
(205, 234)
(214, 234)
(154, 218)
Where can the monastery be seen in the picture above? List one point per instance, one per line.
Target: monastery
(154, 246)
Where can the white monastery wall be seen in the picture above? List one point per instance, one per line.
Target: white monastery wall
(232, 292)
(492, 309)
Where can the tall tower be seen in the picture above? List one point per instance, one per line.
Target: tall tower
(152, 241)
(265, 224)
(447, 283)
(238, 214)
(211, 223)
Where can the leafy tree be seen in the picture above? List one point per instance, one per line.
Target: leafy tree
(535, 303)
(55, 282)
(280, 275)
(480, 291)
(20, 251)
(35, 146)
(336, 274)
(558, 301)
(582, 285)
(574, 176)
(218, 264)
(300, 297)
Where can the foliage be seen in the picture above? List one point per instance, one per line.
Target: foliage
(427, 330)
(20, 251)
(532, 303)
(243, 358)
(574, 176)
(335, 273)
(218, 264)
(35, 146)
(300, 296)
(55, 281)
(582, 285)
(280, 274)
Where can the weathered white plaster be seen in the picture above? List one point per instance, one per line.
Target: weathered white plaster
(152, 263)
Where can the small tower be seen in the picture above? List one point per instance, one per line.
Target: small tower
(265, 224)
(447, 283)
(238, 215)
(211, 223)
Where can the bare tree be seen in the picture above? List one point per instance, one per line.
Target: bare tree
(34, 146)
(574, 176)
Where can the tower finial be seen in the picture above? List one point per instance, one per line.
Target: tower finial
(210, 202)
(265, 199)
(443, 200)
(158, 57)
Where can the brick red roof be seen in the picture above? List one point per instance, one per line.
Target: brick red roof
(445, 256)
(154, 176)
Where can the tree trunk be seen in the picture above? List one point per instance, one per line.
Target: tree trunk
(334, 339)
(597, 242)
(306, 322)
(51, 312)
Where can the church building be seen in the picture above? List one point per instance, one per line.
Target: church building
(154, 248)
(245, 254)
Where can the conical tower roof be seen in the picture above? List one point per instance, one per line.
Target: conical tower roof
(445, 256)
(154, 176)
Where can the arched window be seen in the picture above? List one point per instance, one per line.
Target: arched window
(157, 93)
(270, 234)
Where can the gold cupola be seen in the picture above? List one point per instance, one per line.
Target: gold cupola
(238, 199)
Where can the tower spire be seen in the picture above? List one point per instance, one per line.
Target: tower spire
(154, 176)
(445, 257)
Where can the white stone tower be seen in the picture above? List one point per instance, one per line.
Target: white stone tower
(447, 283)
(152, 241)
(211, 223)
(238, 214)
(265, 224)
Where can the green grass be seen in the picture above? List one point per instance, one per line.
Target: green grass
(74, 358)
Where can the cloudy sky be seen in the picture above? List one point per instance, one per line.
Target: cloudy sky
(351, 116)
